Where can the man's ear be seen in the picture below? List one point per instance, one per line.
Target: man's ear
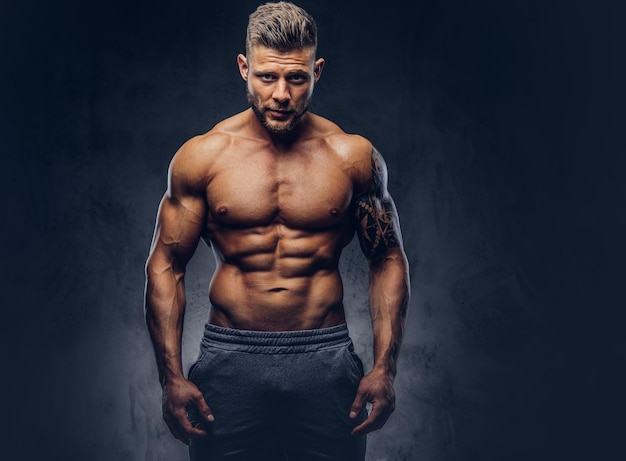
(242, 62)
(317, 70)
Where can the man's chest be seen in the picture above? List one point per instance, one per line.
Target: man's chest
(299, 192)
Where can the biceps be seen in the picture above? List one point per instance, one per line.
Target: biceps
(377, 225)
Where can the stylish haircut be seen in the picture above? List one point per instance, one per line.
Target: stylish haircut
(281, 26)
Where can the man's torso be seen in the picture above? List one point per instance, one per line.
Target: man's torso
(277, 220)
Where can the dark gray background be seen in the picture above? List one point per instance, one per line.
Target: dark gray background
(502, 124)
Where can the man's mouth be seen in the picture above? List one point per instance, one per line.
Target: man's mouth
(279, 113)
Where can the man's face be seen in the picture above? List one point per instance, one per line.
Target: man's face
(280, 84)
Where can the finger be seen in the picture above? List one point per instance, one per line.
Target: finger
(203, 409)
(183, 429)
(192, 431)
(375, 420)
(174, 428)
(357, 405)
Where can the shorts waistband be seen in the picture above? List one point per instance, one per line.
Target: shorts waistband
(273, 342)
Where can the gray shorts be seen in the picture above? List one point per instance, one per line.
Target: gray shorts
(278, 395)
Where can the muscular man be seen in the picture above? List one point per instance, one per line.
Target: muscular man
(277, 192)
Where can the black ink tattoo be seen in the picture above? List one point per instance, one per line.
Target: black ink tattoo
(377, 221)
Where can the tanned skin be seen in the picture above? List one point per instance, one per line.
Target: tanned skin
(277, 192)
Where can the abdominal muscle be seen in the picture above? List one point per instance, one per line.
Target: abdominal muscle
(276, 279)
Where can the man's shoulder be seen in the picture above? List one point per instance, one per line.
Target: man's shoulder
(193, 162)
(203, 149)
(206, 146)
(352, 147)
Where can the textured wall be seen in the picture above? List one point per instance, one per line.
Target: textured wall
(500, 125)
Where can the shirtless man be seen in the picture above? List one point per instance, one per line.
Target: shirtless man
(277, 192)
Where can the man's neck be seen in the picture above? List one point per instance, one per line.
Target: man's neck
(281, 141)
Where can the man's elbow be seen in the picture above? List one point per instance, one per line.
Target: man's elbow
(393, 262)
(160, 263)
(389, 256)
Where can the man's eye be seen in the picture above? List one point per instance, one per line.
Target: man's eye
(297, 78)
(267, 77)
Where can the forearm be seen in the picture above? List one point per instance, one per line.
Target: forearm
(165, 307)
(389, 297)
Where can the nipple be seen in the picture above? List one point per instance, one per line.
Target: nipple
(222, 210)
(334, 211)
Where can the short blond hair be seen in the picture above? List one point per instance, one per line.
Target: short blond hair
(281, 26)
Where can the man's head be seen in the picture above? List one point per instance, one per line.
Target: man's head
(281, 26)
(280, 67)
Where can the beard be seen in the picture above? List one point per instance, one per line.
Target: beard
(274, 126)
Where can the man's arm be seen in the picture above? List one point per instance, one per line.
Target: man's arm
(381, 241)
(180, 221)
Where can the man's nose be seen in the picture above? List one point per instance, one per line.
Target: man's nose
(281, 92)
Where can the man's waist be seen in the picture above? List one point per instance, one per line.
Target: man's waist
(273, 342)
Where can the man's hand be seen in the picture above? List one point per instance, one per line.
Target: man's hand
(376, 388)
(180, 396)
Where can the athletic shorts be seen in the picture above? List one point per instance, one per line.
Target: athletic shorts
(278, 396)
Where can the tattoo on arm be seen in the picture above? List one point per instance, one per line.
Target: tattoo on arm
(377, 221)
